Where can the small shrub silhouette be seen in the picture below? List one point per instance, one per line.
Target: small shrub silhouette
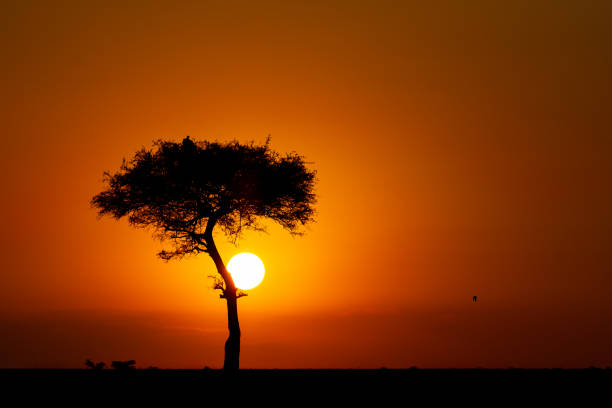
(94, 366)
(123, 365)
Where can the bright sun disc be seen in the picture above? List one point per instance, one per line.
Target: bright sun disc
(247, 270)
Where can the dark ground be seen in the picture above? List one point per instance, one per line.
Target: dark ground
(478, 386)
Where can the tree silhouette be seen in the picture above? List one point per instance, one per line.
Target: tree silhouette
(182, 191)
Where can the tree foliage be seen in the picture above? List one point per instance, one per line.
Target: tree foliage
(183, 190)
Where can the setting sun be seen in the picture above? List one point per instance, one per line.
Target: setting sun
(247, 270)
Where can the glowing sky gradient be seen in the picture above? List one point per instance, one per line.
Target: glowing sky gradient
(462, 149)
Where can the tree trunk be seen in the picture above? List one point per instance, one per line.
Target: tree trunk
(232, 345)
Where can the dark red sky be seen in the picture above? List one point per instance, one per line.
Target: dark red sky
(462, 149)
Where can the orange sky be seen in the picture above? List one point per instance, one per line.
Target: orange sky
(461, 149)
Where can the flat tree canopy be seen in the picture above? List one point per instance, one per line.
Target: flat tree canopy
(181, 189)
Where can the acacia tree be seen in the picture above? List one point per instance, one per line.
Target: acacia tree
(185, 192)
